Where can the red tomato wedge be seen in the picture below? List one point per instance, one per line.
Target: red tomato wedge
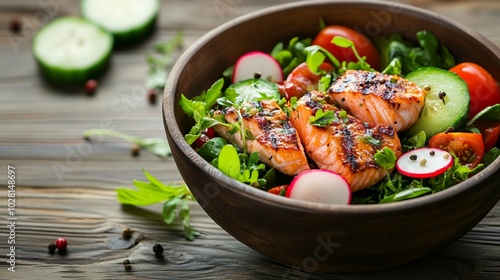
(468, 147)
(301, 80)
(483, 88)
(363, 45)
(424, 162)
(278, 189)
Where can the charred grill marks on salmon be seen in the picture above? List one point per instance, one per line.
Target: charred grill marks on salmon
(346, 145)
(272, 135)
(378, 98)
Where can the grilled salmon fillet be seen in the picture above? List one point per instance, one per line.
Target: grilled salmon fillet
(345, 144)
(378, 98)
(272, 135)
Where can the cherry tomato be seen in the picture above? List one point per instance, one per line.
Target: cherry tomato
(468, 147)
(278, 189)
(490, 132)
(301, 80)
(363, 45)
(484, 90)
(206, 135)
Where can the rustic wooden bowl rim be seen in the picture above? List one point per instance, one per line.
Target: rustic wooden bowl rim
(187, 151)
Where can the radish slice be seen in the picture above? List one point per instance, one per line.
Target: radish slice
(257, 62)
(424, 162)
(320, 185)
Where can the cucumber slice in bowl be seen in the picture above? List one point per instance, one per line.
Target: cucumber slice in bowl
(130, 21)
(71, 50)
(446, 102)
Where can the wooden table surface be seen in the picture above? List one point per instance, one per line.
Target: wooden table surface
(65, 186)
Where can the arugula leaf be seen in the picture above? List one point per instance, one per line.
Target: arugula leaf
(292, 55)
(490, 156)
(346, 43)
(406, 194)
(243, 167)
(324, 83)
(428, 52)
(322, 119)
(169, 209)
(394, 68)
(316, 55)
(199, 107)
(314, 60)
(176, 199)
(414, 142)
(157, 146)
(385, 158)
(184, 213)
(229, 162)
(490, 113)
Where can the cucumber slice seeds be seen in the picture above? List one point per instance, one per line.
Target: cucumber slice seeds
(446, 103)
(130, 21)
(71, 50)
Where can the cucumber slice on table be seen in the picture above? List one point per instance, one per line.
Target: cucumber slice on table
(130, 21)
(446, 103)
(71, 50)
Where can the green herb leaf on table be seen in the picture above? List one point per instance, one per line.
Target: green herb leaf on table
(160, 60)
(176, 199)
(157, 146)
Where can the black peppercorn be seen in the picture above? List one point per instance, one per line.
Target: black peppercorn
(127, 265)
(152, 96)
(126, 233)
(52, 248)
(135, 150)
(158, 249)
(15, 25)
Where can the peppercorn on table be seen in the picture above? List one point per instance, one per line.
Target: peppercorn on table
(63, 186)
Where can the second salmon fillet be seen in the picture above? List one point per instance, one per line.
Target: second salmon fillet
(379, 98)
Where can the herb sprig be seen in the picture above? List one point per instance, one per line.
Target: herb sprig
(199, 108)
(157, 146)
(160, 60)
(176, 200)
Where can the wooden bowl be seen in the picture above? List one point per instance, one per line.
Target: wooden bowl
(316, 237)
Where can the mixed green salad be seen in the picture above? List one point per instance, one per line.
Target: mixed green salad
(461, 115)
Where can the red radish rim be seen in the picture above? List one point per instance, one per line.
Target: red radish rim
(258, 53)
(289, 189)
(425, 175)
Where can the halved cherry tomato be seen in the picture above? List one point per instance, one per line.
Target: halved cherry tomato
(490, 132)
(483, 89)
(278, 189)
(301, 80)
(363, 45)
(468, 147)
